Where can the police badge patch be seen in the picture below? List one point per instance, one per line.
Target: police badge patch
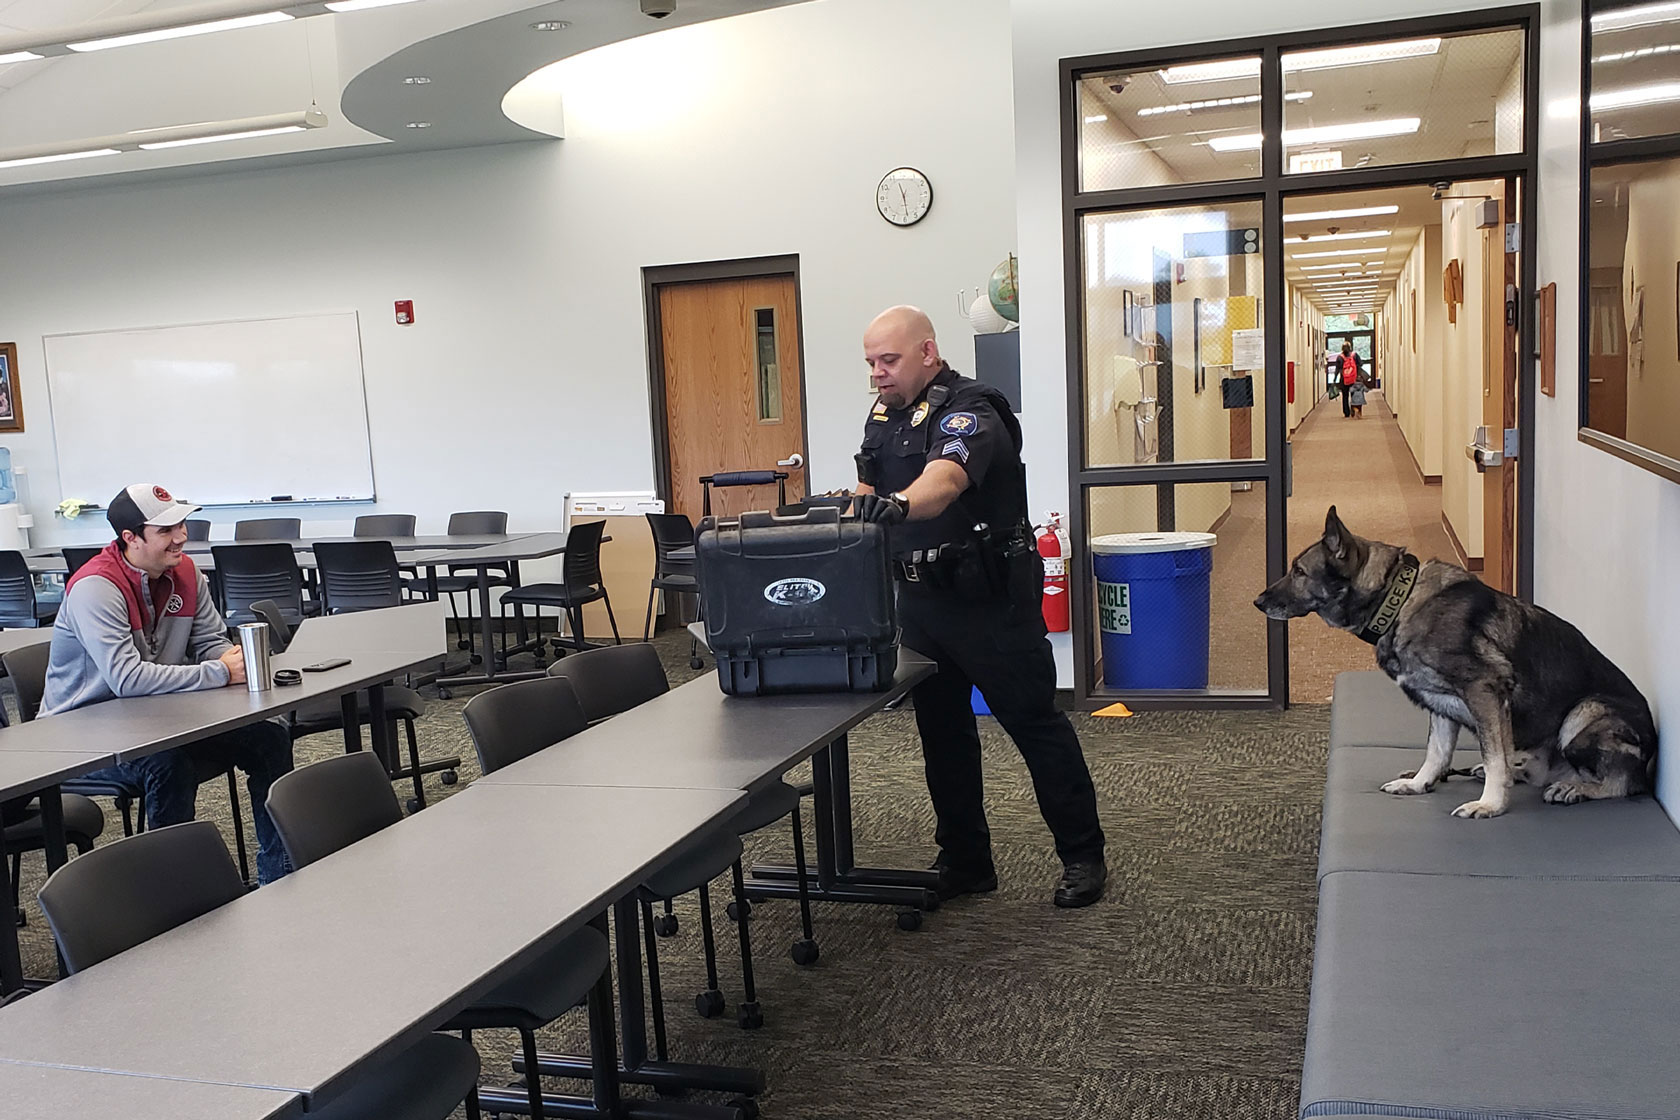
(958, 424)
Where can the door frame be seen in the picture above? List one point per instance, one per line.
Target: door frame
(657, 277)
(1271, 187)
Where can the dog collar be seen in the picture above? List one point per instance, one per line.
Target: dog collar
(1399, 590)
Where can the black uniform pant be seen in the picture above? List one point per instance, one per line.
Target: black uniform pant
(1002, 649)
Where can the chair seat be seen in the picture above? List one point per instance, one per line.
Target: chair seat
(81, 818)
(328, 714)
(100, 787)
(698, 864)
(425, 1082)
(541, 992)
(554, 594)
(676, 581)
(764, 808)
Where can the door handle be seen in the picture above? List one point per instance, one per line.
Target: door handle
(796, 461)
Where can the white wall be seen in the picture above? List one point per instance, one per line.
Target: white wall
(525, 373)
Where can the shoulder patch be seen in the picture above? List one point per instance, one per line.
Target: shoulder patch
(879, 412)
(958, 423)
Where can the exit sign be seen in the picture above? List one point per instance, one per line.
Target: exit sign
(1308, 162)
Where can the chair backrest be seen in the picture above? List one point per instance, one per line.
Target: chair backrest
(17, 591)
(279, 630)
(121, 894)
(358, 575)
(269, 529)
(613, 679)
(198, 529)
(75, 556)
(27, 667)
(478, 521)
(384, 525)
(325, 806)
(516, 720)
(581, 566)
(670, 531)
(249, 572)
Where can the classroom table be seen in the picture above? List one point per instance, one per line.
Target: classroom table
(34, 1090)
(301, 984)
(25, 636)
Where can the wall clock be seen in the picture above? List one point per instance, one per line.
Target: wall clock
(904, 196)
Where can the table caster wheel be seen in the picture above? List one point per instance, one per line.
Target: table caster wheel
(909, 920)
(665, 925)
(804, 952)
(414, 806)
(746, 1106)
(696, 663)
(735, 910)
(449, 777)
(709, 1004)
(445, 694)
(750, 1017)
(462, 643)
(477, 659)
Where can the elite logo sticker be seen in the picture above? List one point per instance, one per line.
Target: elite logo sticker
(795, 591)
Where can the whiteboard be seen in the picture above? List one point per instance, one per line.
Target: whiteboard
(219, 413)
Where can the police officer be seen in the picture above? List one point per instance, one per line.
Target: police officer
(941, 460)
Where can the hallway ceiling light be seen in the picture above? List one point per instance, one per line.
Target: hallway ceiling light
(359, 5)
(1097, 118)
(18, 56)
(1328, 215)
(173, 136)
(161, 33)
(1351, 235)
(1614, 56)
(1218, 103)
(1342, 265)
(1303, 60)
(1324, 134)
(173, 23)
(1332, 253)
(1635, 95)
(1642, 16)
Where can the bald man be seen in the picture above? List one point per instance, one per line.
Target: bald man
(941, 461)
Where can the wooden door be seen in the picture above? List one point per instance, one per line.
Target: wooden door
(1499, 401)
(1606, 354)
(734, 390)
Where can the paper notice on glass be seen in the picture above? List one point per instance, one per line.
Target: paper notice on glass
(1248, 349)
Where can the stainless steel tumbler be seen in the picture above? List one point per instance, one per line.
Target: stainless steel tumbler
(253, 640)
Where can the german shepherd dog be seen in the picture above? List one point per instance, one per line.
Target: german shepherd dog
(1548, 708)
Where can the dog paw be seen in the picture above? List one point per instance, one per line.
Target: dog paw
(1407, 784)
(1478, 810)
(1562, 793)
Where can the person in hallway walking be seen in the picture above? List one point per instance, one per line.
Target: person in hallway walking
(1350, 378)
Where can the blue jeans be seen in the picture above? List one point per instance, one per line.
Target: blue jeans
(169, 780)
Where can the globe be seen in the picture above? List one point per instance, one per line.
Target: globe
(1001, 290)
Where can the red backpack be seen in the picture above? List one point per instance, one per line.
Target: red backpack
(1350, 368)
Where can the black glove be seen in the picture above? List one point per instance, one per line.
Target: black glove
(878, 508)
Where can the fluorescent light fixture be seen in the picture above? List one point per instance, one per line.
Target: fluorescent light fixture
(1217, 103)
(18, 56)
(1630, 96)
(358, 5)
(159, 145)
(1642, 16)
(1308, 60)
(25, 161)
(1327, 215)
(1332, 253)
(1614, 56)
(1326, 134)
(1349, 235)
(161, 33)
(1097, 119)
(1349, 267)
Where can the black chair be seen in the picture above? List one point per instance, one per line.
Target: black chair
(329, 805)
(247, 573)
(75, 557)
(384, 525)
(581, 583)
(268, 529)
(465, 580)
(18, 608)
(401, 703)
(517, 720)
(131, 891)
(614, 679)
(358, 575)
(198, 529)
(674, 569)
(27, 667)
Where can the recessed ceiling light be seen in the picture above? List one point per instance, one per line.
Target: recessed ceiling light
(1217, 103)
(180, 32)
(417, 80)
(1635, 95)
(1624, 56)
(1305, 60)
(1097, 119)
(1332, 253)
(1351, 235)
(550, 25)
(419, 124)
(1325, 134)
(358, 5)
(1356, 212)
(18, 56)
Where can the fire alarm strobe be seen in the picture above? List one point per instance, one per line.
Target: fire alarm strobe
(405, 312)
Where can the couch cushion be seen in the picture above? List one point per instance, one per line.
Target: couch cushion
(1368, 830)
(1511, 998)
(1369, 710)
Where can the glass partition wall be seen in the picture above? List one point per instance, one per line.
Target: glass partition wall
(1176, 167)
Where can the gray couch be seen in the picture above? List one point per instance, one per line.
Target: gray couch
(1526, 966)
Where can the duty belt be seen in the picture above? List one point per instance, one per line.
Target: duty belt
(925, 566)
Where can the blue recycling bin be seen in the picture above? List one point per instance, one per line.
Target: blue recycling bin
(1153, 608)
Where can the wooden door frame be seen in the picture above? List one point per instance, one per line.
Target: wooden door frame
(657, 277)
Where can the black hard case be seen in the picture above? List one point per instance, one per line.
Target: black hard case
(799, 603)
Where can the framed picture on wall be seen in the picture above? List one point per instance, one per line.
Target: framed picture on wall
(11, 405)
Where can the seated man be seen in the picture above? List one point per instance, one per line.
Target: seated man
(137, 620)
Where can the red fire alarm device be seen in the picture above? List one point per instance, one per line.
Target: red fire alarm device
(405, 312)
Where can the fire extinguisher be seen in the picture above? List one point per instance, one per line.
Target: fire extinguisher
(1053, 547)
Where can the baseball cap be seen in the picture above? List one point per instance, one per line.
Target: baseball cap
(146, 504)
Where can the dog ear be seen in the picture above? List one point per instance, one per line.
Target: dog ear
(1335, 535)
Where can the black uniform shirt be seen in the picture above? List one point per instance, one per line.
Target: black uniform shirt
(973, 428)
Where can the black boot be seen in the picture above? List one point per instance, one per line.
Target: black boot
(1082, 883)
(954, 881)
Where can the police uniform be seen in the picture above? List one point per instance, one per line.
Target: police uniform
(970, 588)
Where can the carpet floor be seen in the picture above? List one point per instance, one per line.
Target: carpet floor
(1183, 994)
